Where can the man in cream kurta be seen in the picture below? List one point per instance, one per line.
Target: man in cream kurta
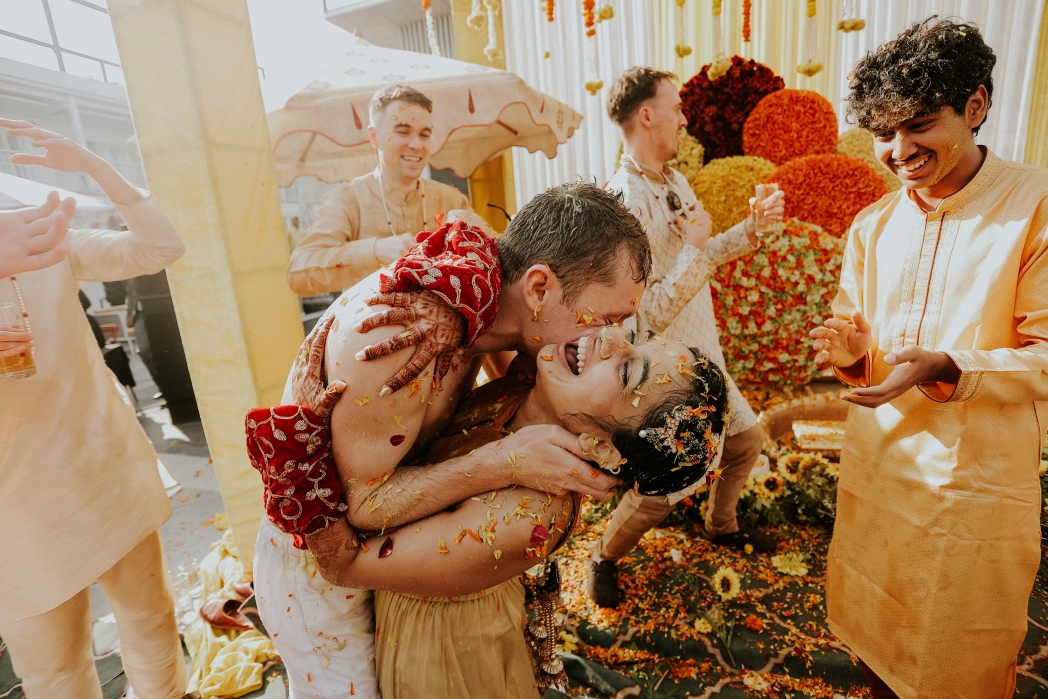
(942, 323)
(81, 499)
(372, 220)
(678, 305)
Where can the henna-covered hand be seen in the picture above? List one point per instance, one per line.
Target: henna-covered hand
(307, 381)
(434, 328)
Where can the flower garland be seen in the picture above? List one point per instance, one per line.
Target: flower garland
(747, 9)
(725, 186)
(492, 51)
(811, 66)
(681, 48)
(689, 157)
(589, 18)
(721, 63)
(717, 110)
(788, 124)
(816, 192)
(765, 303)
(858, 143)
(476, 17)
(547, 7)
(849, 20)
(431, 28)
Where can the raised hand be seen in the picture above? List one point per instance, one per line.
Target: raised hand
(434, 328)
(841, 343)
(551, 459)
(766, 211)
(307, 382)
(34, 238)
(61, 153)
(697, 226)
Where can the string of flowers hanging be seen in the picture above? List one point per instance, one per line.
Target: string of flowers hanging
(850, 22)
(681, 48)
(476, 17)
(492, 50)
(811, 64)
(589, 20)
(721, 62)
(747, 9)
(547, 9)
(431, 28)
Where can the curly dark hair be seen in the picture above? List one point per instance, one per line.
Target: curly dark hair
(932, 65)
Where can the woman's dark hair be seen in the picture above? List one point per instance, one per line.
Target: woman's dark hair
(684, 433)
(932, 65)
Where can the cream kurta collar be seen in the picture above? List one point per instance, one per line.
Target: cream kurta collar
(981, 183)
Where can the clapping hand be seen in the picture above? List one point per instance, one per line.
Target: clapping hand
(841, 343)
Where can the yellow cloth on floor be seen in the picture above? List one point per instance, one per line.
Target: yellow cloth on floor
(226, 663)
(468, 647)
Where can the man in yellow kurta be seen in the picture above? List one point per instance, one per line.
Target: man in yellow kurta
(372, 220)
(941, 327)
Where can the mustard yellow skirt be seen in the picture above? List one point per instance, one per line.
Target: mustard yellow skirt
(469, 648)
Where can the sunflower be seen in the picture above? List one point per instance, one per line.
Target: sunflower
(789, 564)
(833, 470)
(1043, 469)
(770, 485)
(726, 583)
(791, 467)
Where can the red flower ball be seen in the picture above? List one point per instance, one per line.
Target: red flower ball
(717, 110)
(789, 124)
(828, 190)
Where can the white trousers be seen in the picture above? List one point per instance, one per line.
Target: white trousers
(325, 634)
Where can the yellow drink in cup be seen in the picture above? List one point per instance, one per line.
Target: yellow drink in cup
(21, 365)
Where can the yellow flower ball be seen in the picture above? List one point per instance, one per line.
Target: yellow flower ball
(690, 155)
(725, 185)
(858, 143)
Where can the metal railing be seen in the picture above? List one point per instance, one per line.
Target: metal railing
(55, 46)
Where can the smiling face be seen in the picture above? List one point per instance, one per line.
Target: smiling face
(934, 153)
(403, 136)
(612, 375)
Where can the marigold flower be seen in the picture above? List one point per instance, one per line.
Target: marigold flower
(828, 190)
(690, 156)
(717, 110)
(788, 124)
(789, 564)
(725, 186)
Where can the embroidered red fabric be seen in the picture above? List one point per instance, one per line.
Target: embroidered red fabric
(460, 264)
(291, 448)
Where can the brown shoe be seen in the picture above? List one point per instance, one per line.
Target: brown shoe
(224, 614)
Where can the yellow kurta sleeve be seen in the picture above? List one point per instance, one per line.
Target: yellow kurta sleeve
(149, 245)
(1010, 374)
(850, 299)
(333, 257)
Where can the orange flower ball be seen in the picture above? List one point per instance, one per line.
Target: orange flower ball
(858, 143)
(828, 190)
(766, 303)
(788, 124)
(725, 185)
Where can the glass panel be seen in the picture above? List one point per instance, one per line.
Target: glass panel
(84, 67)
(18, 50)
(25, 17)
(85, 30)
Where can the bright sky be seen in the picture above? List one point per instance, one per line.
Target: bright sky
(293, 41)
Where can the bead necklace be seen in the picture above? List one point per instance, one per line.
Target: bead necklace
(673, 203)
(385, 207)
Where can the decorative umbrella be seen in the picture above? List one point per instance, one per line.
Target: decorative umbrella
(478, 112)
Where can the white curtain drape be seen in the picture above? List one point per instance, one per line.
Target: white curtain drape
(624, 41)
(1011, 28)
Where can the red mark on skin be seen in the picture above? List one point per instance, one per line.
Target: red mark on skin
(397, 439)
(386, 548)
(539, 534)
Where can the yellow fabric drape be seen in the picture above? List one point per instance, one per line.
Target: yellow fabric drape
(1036, 150)
(777, 39)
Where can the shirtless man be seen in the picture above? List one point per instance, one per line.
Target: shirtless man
(574, 256)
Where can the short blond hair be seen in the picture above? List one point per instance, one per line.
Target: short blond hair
(633, 88)
(396, 93)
